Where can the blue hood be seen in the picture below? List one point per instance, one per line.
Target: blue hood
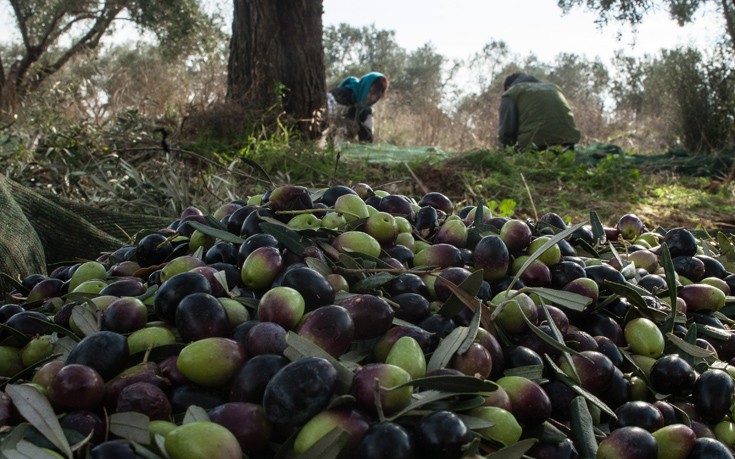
(361, 87)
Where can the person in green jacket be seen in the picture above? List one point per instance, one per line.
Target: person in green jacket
(535, 114)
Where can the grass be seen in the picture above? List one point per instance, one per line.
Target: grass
(143, 178)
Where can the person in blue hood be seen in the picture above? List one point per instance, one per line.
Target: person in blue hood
(349, 106)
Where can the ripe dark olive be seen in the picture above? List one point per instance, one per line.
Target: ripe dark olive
(85, 422)
(654, 283)
(314, 287)
(330, 327)
(519, 356)
(441, 435)
(437, 200)
(115, 449)
(671, 374)
(200, 315)
(602, 273)
(439, 326)
(249, 383)
(492, 256)
(187, 395)
(712, 394)
(385, 439)
(426, 222)
(561, 396)
(397, 205)
(247, 422)
(638, 414)
(253, 242)
(153, 249)
(564, 272)
(266, 338)
(456, 275)
(371, 315)
(412, 307)
(299, 390)
(78, 387)
(222, 252)
(680, 241)
(690, 267)
(628, 442)
(146, 398)
(407, 283)
(173, 290)
(712, 266)
(709, 448)
(105, 351)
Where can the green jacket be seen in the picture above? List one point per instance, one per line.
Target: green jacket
(535, 113)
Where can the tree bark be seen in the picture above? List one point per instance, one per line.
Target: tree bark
(276, 62)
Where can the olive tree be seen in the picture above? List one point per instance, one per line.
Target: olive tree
(276, 61)
(634, 11)
(50, 33)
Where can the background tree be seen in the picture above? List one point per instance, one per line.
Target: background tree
(54, 32)
(276, 59)
(633, 12)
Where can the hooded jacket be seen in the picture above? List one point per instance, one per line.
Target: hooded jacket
(348, 102)
(535, 113)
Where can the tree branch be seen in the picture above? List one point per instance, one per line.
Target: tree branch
(90, 40)
(728, 10)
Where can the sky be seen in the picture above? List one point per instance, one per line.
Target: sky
(460, 28)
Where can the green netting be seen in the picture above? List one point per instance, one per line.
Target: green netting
(718, 164)
(385, 153)
(39, 229)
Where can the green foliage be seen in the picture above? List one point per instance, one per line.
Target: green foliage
(690, 95)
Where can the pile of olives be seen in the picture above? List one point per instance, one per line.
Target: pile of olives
(349, 322)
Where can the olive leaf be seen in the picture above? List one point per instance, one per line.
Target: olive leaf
(37, 410)
(329, 446)
(27, 450)
(131, 425)
(463, 295)
(421, 399)
(515, 451)
(670, 274)
(21, 337)
(570, 300)
(713, 332)
(456, 384)
(474, 325)
(252, 163)
(532, 372)
(195, 414)
(318, 265)
(583, 434)
(290, 239)
(216, 232)
(86, 318)
(691, 349)
(447, 348)
(550, 243)
(371, 283)
(581, 391)
(550, 340)
(300, 347)
(598, 231)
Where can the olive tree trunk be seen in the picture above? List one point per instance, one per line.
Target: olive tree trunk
(276, 62)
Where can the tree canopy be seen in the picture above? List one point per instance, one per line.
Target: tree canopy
(52, 32)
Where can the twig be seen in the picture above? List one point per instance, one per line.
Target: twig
(528, 190)
(418, 180)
